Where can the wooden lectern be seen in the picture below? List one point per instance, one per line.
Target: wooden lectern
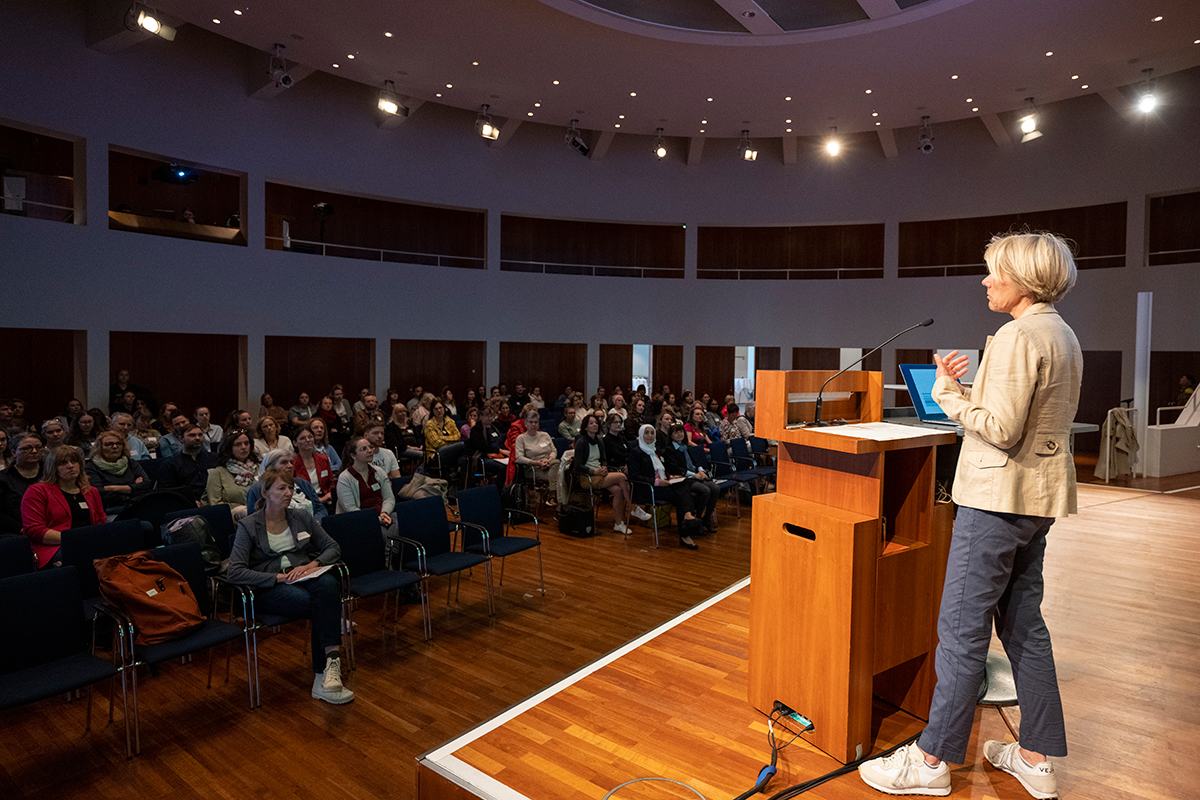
(847, 562)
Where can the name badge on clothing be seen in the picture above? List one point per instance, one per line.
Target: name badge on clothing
(324, 472)
(302, 535)
(374, 487)
(83, 504)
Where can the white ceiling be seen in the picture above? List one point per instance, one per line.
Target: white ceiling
(905, 58)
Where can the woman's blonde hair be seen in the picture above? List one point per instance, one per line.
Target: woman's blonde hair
(268, 479)
(65, 454)
(96, 446)
(1041, 265)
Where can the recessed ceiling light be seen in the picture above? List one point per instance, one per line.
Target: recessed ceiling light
(633, 94)
(874, 113)
(710, 99)
(1084, 86)
(1157, 19)
(237, 11)
(953, 77)
(788, 121)
(351, 55)
(617, 125)
(1049, 53)
(789, 130)
(868, 91)
(620, 116)
(970, 100)
(474, 63)
(335, 66)
(703, 122)
(1074, 77)
(449, 85)
(556, 83)
(702, 130)
(787, 98)
(537, 105)
(439, 94)
(529, 113)
(217, 21)
(975, 108)
(388, 34)
(878, 123)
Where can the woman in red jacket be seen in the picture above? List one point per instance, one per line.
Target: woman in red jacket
(62, 499)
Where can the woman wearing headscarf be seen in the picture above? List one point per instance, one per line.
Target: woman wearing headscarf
(645, 467)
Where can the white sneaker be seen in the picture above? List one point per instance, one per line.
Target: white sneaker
(328, 685)
(1038, 779)
(641, 513)
(906, 772)
(621, 527)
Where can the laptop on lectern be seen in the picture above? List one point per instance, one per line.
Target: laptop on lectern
(919, 379)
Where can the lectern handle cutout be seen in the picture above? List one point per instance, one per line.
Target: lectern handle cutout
(803, 533)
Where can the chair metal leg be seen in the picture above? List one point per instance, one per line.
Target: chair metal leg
(487, 572)
(541, 575)
(425, 608)
(210, 663)
(502, 561)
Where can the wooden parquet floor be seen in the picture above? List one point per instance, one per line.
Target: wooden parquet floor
(1122, 602)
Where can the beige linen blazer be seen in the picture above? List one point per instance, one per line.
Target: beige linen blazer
(1016, 455)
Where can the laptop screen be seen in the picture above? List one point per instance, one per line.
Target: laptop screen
(919, 378)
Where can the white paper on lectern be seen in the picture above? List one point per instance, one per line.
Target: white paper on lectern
(877, 431)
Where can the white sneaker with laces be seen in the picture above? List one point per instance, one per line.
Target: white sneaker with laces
(621, 527)
(1038, 779)
(328, 685)
(906, 772)
(641, 513)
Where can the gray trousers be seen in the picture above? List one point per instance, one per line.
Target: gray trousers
(994, 573)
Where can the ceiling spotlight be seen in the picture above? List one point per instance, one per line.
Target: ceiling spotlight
(484, 126)
(389, 102)
(926, 142)
(278, 70)
(832, 145)
(660, 146)
(1029, 122)
(746, 148)
(143, 17)
(575, 139)
(1146, 97)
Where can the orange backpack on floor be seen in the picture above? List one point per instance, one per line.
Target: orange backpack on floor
(152, 594)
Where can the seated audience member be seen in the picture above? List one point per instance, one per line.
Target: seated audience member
(536, 399)
(712, 416)
(417, 393)
(360, 403)
(687, 400)
(473, 400)
(212, 433)
(495, 392)
(336, 432)
(735, 425)
(269, 438)
(694, 428)
(384, 458)
(590, 463)
(304, 494)
(25, 468)
(637, 416)
(401, 437)
(505, 419)
(423, 411)
(123, 386)
(342, 408)
(645, 466)
(144, 431)
(269, 409)
(390, 398)
(570, 425)
(187, 471)
(18, 419)
(301, 413)
(163, 423)
(749, 416)
(597, 403)
(122, 423)
(54, 432)
(581, 406)
(678, 463)
(442, 439)
(312, 465)
(73, 409)
(102, 419)
(172, 443)
(363, 485)
(83, 433)
(119, 478)
(274, 548)
(618, 406)
(484, 441)
(60, 500)
(448, 399)
(320, 432)
(6, 415)
(369, 414)
(564, 399)
(520, 398)
(535, 452)
(670, 404)
(663, 433)
(725, 406)
(235, 473)
(464, 430)
(616, 450)
(239, 420)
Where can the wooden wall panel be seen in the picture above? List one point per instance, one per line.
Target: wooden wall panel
(816, 358)
(377, 224)
(39, 369)
(1166, 366)
(616, 365)
(434, 363)
(533, 244)
(794, 253)
(667, 366)
(37, 152)
(1174, 229)
(550, 365)
(714, 370)
(766, 358)
(188, 369)
(908, 356)
(1101, 390)
(313, 364)
(212, 198)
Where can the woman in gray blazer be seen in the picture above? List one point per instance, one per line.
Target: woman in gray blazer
(1015, 475)
(281, 551)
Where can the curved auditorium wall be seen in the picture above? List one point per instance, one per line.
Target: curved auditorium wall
(189, 99)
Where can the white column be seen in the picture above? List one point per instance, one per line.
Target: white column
(1141, 361)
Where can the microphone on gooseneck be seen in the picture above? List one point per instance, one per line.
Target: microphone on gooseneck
(817, 417)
